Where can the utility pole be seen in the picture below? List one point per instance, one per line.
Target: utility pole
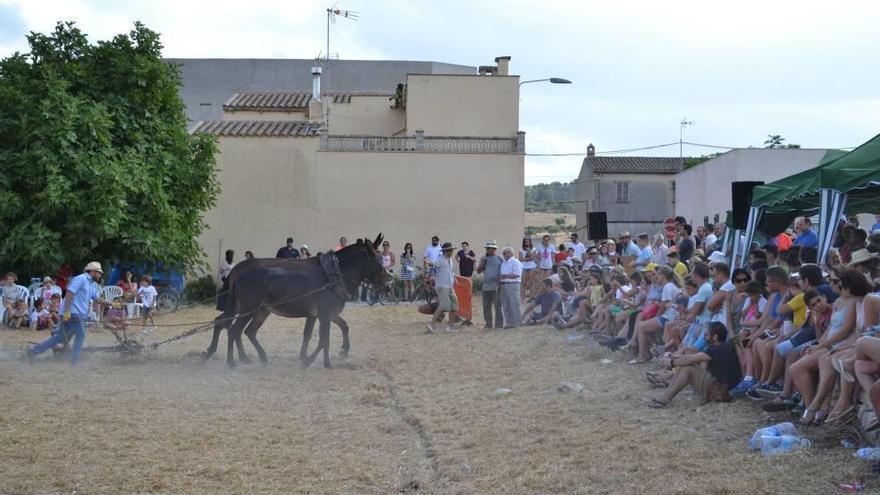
(684, 123)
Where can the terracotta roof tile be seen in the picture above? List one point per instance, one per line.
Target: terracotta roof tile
(257, 128)
(286, 101)
(633, 164)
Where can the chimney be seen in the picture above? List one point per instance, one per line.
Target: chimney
(591, 150)
(316, 108)
(503, 65)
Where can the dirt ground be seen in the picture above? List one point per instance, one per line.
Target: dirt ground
(406, 413)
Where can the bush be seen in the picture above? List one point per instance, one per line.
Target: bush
(201, 290)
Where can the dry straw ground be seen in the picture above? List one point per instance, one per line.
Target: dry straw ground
(407, 412)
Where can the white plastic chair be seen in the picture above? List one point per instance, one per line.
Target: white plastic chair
(108, 293)
(34, 291)
(20, 293)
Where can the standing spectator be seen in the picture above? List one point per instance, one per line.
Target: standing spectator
(510, 278)
(527, 259)
(466, 259)
(342, 243)
(288, 251)
(628, 247)
(222, 275)
(700, 237)
(81, 291)
(248, 255)
(388, 259)
(579, 248)
(806, 237)
(660, 249)
(711, 241)
(304, 252)
(9, 293)
(445, 283)
(686, 246)
(147, 295)
(545, 252)
(407, 270)
(433, 253)
(490, 267)
(126, 283)
(646, 254)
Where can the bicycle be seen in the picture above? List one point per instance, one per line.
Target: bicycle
(385, 294)
(423, 288)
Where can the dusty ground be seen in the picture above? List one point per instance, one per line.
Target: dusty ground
(407, 412)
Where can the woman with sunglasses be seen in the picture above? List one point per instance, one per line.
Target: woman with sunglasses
(740, 278)
(407, 270)
(841, 323)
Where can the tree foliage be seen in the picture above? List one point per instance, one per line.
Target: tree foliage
(553, 197)
(95, 158)
(775, 141)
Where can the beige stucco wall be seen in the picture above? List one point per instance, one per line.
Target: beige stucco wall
(367, 115)
(254, 115)
(463, 105)
(276, 187)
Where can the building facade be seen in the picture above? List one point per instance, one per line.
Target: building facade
(637, 193)
(702, 192)
(443, 156)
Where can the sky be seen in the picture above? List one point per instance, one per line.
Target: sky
(738, 70)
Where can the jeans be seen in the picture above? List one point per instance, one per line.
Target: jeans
(492, 299)
(75, 327)
(510, 304)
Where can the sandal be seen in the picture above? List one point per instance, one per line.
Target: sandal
(808, 418)
(656, 404)
(873, 426)
(838, 418)
(820, 417)
(838, 366)
(637, 361)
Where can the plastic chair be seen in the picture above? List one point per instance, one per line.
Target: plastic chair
(109, 293)
(20, 293)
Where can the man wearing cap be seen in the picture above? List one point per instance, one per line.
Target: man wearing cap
(445, 283)
(81, 291)
(510, 280)
(629, 248)
(646, 254)
(490, 267)
(288, 251)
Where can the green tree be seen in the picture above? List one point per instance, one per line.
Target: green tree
(774, 141)
(95, 158)
(559, 221)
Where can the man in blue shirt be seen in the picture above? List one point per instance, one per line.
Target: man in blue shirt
(646, 254)
(288, 251)
(81, 291)
(806, 238)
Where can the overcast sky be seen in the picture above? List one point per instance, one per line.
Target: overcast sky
(806, 70)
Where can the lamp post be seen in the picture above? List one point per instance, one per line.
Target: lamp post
(551, 80)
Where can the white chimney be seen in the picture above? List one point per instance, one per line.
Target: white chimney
(503, 65)
(316, 83)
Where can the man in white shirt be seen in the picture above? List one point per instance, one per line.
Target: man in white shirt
(510, 279)
(646, 254)
(579, 248)
(444, 282)
(432, 254)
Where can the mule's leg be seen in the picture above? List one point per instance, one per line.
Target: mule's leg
(346, 345)
(242, 356)
(324, 339)
(232, 334)
(251, 332)
(307, 336)
(220, 323)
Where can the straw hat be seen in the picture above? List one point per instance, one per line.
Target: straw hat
(94, 266)
(491, 245)
(717, 257)
(861, 256)
(624, 234)
(447, 246)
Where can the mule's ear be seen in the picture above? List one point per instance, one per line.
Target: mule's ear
(360, 241)
(378, 241)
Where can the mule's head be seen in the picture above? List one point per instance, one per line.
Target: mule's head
(372, 269)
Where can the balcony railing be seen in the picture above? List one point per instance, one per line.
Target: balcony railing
(419, 143)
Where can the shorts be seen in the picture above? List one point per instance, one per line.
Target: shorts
(446, 299)
(615, 309)
(710, 389)
(662, 321)
(537, 315)
(527, 270)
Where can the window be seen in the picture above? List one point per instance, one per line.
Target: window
(623, 192)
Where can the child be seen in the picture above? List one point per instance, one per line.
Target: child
(147, 295)
(115, 318)
(9, 293)
(55, 309)
(19, 315)
(40, 319)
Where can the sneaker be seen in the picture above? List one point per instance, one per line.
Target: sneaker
(769, 390)
(743, 387)
(451, 329)
(431, 328)
(754, 395)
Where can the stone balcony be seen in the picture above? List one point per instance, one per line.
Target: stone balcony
(419, 143)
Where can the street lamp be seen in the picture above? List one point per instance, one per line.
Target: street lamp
(552, 80)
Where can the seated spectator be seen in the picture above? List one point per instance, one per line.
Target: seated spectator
(584, 302)
(680, 269)
(712, 372)
(794, 314)
(666, 312)
(611, 304)
(8, 290)
(55, 309)
(18, 317)
(129, 287)
(40, 316)
(549, 302)
(115, 318)
(561, 254)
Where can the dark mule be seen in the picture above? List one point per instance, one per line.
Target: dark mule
(295, 289)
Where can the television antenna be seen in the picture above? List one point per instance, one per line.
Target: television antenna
(332, 14)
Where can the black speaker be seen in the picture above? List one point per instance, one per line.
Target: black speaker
(597, 225)
(741, 196)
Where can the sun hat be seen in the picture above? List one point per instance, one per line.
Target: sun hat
(47, 279)
(491, 244)
(861, 256)
(650, 267)
(717, 257)
(305, 246)
(94, 266)
(624, 234)
(447, 246)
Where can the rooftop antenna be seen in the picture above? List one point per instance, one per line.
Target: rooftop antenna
(332, 13)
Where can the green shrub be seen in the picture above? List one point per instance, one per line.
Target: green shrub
(201, 290)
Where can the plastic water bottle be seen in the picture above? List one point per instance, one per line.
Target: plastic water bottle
(771, 431)
(868, 454)
(783, 444)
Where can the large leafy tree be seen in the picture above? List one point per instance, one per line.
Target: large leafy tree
(95, 158)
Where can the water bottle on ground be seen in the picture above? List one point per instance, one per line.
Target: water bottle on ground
(776, 430)
(783, 444)
(868, 454)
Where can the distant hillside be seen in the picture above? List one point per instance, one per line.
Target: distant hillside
(552, 197)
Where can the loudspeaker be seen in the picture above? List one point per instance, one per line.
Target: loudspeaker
(741, 196)
(597, 225)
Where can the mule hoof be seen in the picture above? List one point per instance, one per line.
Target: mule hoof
(343, 354)
(264, 362)
(245, 360)
(327, 366)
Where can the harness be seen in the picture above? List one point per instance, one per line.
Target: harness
(330, 266)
